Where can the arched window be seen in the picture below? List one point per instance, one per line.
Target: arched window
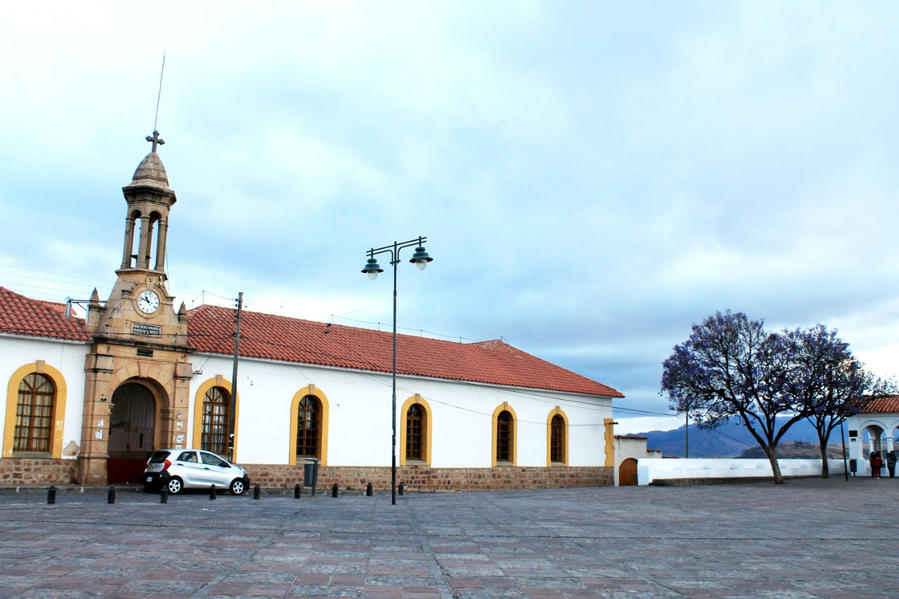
(34, 414)
(416, 424)
(308, 437)
(216, 404)
(308, 427)
(504, 437)
(557, 439)
(415, 432)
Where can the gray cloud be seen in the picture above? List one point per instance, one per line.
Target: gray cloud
(593, 179)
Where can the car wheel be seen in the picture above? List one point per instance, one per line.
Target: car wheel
(238, 486)
(175, 485)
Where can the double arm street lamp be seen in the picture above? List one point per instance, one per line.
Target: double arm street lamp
(420, 258)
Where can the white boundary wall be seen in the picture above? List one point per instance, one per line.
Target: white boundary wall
(650, 469)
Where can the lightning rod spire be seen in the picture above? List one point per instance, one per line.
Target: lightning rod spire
(155, 139)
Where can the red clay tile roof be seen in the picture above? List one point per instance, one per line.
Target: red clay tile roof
(211, 329)
(20, 315)
(890, 403)
(57, 306)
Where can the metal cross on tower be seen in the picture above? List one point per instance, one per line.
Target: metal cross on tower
(156, 140)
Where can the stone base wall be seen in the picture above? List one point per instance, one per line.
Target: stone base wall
(425, 478)
(37, 471)
(45, 471)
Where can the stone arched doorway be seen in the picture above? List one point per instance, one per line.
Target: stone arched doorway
(627, 473)
(132, 430)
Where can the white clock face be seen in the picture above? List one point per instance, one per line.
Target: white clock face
(147, 302)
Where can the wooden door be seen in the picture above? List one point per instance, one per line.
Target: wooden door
(131, 428)
(627, 473)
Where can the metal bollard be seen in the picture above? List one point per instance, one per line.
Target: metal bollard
(402, 489)
(256, 491)
(110, 495)
(51, 495)
(368, 490)
(211, 492)
(297, 490)
(334, 490)
(164, 494)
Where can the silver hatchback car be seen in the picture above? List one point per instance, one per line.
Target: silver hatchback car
(179, 469)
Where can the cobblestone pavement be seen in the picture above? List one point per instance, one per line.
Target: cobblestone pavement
(807, 538)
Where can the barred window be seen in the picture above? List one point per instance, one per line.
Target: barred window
(308, 427)
(504, 438)
(216, 405)
(557, 439)
(415, 432)
(34, 414)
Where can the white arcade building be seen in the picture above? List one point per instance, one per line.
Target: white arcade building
(873, 429)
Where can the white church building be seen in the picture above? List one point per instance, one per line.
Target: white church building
(88, 399)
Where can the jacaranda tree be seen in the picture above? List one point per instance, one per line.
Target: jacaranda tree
(730, 367)
(827, 383)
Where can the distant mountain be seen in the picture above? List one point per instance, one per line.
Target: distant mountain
(798, 449)
(728, 440)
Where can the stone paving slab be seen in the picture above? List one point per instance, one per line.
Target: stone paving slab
(807, 538)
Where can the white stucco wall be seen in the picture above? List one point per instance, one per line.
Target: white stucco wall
(649, 469)
(359, 418)
(67, 357)
(631, 447)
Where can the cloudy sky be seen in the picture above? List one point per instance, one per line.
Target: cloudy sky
(593, 178)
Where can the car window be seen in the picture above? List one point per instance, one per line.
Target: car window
(159, 456)
(188, 456)
(213, 460)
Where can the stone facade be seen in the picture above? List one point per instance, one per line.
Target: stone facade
(37, 471)
(426, 479)
(420, 478)
(137, 343)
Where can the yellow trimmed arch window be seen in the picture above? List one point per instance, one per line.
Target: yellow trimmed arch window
(415, 431)
(308, 426)
(505, 436)
(35, 412)
(214, 423)
(556, 438)
(212, 405)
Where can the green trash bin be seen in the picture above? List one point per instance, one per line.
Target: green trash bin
(310, 472)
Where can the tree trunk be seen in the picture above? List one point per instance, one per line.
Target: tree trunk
(825, 467)
(771, 452)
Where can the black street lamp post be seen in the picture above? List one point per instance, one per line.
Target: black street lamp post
(420, 258)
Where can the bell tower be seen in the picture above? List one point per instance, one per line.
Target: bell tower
(138, 368)
(149, 201)
(139, 305)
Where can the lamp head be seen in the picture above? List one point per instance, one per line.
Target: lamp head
(372, 269)
(420, 258)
